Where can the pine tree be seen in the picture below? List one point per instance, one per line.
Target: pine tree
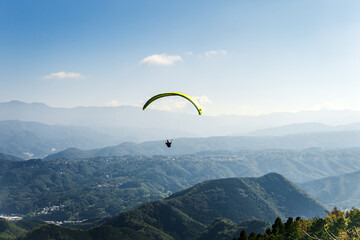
(291, 231)
(277, 227)
(252, 236)
(243, 235)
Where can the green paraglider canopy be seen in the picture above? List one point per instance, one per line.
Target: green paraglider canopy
(161, 95)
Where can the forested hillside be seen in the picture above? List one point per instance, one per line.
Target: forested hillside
(96, 187)
(342, 191)
(326, 140)
(335, 224)
(192, 213)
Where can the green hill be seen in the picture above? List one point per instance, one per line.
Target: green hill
(54, 232)
(342, 191)
(237, 199)
(240, 199)
(105, 186)
(194, 213)
(9, 230)
(225, 229)
(161, 215)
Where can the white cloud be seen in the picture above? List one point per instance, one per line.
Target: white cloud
(113, 103)
(63, 75)
(203, 100)
(161, 59)
(215, 53)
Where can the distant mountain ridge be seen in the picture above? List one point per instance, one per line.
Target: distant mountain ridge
(33, 130)
(327, 140)
(131, 123)
(9, 157)
(304, 128)
(169, 124)
(36, 140)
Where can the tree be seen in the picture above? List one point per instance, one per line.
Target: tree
(291, 230)
(277, 227)
(243, 235)
(252, 236)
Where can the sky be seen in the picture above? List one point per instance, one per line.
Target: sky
(247, 57)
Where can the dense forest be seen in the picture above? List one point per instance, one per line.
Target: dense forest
(232, 203)
(335, 224)
(65, 189)
(94, 189)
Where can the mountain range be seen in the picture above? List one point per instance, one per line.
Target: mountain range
(153, 124)
(64, 189)
(35, 130)
(36, 140)
(193, 212)
(301, 128)
(102, 161)
(327, 140)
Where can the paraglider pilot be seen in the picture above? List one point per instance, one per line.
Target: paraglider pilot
(168, 143)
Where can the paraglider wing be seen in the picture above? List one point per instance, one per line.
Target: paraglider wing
(191, 99)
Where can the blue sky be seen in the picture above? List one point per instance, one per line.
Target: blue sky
(237, 57)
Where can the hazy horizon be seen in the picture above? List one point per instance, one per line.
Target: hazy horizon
(189, 109)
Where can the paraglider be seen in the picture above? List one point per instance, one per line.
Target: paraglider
(168, 143)
(161, 95)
